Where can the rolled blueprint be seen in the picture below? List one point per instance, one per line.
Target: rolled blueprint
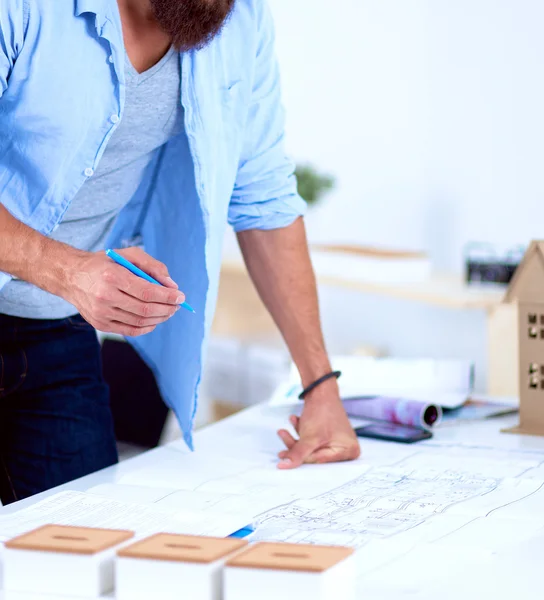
(394, 410)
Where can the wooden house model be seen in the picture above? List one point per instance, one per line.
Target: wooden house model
(527, 290)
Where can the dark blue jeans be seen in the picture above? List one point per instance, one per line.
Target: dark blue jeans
(55, 417)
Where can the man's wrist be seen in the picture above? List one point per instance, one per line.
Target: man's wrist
(309, 374)
(55, 267)
(327, 391)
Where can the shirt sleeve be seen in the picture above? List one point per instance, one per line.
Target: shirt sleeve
(265, 193)
(13, 15)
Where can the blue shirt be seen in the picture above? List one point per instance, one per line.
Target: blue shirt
(62, 90)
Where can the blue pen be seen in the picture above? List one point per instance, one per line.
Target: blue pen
(134, 269)
(243, 533)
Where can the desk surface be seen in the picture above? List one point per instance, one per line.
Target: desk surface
(264, 420)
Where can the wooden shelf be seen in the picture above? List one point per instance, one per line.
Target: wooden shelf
(446, 291)
(240, 313)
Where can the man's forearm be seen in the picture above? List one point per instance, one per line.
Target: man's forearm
(28, 255)
(279, 264)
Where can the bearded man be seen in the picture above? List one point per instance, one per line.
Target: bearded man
(140, 124)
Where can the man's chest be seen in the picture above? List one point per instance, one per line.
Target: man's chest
(79, 77)
(67, 98)
(151, 117)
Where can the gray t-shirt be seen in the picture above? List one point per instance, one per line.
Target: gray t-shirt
(153, 115)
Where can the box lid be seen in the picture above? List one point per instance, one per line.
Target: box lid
(69, 540)
(183, 548)
(291, 557)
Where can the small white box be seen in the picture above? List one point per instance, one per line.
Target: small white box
(172, 567)
(270, 571)
(56, 559)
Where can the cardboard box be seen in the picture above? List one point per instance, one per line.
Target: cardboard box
(69, 561)
(171, 567)
(270, 571)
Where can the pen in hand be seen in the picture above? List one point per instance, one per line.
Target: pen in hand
(123, 262)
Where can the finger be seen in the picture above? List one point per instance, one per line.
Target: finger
(129, 330)
(150, 265)
(132, 305)
(297, 455)
(127, 318)
(149, 292)
(282, 454)
(287, 438)
(295, 422)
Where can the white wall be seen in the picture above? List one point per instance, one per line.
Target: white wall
(430, 115)
(429, 112)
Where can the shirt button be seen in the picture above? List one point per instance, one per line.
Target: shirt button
(114, 119)
(89, 172)
(111, 58)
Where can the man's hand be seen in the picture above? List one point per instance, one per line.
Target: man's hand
(325, 433)
(113, 299)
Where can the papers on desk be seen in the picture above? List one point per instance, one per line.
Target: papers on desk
(199, 494)
(447, 383)
(90, 510)
(421, 498)
(449, 571)
(481, 408)
(232, 486)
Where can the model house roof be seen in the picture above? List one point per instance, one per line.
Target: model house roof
(527, 285)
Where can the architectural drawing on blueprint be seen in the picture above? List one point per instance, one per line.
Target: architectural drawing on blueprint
(391, 501)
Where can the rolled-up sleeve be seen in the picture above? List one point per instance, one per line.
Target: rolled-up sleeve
(265, 194)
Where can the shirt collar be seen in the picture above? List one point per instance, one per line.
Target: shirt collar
(97, 7)
(106, 21)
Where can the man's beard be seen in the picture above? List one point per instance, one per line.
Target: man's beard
(192, 24)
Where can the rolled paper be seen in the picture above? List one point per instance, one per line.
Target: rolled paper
(394, 410)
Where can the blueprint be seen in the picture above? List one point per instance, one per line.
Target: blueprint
(390, 501)
(426, 496)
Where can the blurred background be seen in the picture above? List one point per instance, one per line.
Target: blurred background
(417, 127)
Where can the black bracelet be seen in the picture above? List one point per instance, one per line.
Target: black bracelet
(321, 380)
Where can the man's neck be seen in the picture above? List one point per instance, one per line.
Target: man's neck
(139, 8)
(145, 41)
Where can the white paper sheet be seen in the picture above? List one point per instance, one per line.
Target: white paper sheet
(424, 567)
(131, 493)
(248, 480)
(531, 506)
(479, 462)
(248, 504)
(404, 500)
(90, 510)
(493, 535)
(466, 570)
(231, 486)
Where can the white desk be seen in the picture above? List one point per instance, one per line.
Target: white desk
(494, 577)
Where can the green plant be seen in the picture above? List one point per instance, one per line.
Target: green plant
(312, 186)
